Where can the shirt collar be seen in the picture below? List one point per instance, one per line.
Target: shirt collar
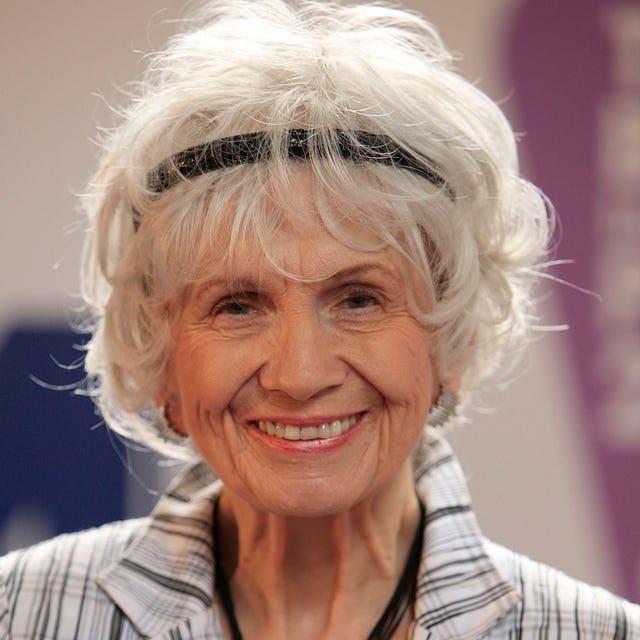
(165, 579)
(165, 576)
(460, 592)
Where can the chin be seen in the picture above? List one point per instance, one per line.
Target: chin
(314, 500)
(307, 509)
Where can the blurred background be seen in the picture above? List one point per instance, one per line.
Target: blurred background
(554, 468)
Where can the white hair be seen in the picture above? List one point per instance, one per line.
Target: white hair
(269, 65)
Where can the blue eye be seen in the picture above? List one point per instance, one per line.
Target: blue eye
(355, 298)
(359, 301)
(235, 308)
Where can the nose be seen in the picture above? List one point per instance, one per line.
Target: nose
(303, 359)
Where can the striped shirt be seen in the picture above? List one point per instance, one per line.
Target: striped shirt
(153, 577)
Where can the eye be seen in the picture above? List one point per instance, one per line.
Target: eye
(234, 308)
(355, 299)
(359, 301)
(236, 305)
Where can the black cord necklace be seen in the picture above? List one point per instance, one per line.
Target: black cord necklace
(395, 610)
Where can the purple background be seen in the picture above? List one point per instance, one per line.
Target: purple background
(561, 64)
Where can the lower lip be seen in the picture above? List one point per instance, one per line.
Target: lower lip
(319, 445)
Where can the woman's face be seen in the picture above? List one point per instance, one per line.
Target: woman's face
(305, 396)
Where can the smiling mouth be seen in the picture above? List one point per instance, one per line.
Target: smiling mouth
(321, 431)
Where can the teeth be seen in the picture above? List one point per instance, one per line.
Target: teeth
(317, 432)
(291, 433)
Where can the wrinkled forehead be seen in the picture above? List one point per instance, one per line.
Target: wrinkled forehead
(303, 248)
(301, 228)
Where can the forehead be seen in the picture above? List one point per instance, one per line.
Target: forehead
(302, 229)
(310, 252)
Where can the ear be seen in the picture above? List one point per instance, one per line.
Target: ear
(454, 383)
(169, 396)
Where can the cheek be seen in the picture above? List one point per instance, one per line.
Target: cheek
(209, 374)
(399, 365)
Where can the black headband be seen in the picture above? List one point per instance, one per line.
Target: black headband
(302, 144)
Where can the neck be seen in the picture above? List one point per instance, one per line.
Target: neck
(330, 576)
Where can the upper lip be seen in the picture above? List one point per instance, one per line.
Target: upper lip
(306, 421)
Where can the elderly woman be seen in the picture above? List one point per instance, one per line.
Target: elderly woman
(308, 237)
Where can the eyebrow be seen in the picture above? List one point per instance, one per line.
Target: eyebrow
(366, 269)
(231, 285)
(244, 283)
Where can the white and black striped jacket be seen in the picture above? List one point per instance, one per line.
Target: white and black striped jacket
(153, 577)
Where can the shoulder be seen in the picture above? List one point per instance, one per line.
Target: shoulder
(48, 589)
(555, 605)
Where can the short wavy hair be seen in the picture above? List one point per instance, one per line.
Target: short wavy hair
(243, 66)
